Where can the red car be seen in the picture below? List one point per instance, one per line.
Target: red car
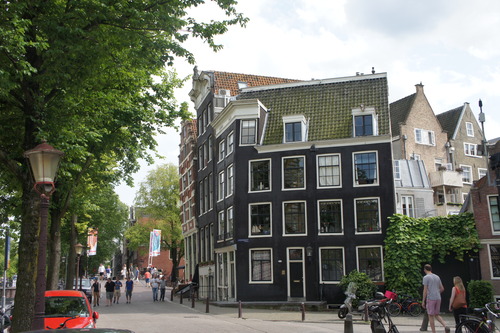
(68, 309)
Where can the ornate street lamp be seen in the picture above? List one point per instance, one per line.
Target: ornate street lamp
(44, 163)
(78, 249)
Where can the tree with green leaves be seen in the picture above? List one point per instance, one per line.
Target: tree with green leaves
(158, 200)
(90, 77)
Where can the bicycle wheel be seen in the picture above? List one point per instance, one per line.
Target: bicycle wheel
(394, 309)
(394, 329)
(415, 309)
(472, 326)
(343, 313)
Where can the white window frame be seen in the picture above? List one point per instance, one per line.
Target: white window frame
(221, 226)
(244, 121)
(379, 223)
(354, 174)
(230, 143)
(284, 203)
(405, 198)
(381, 259)
(210, 147)
(397, 169)
(255, 235)
(230, 222)
(230, 180)
(221, 184)
(466, 167)
(425, 137)
(470, 149)
(250, 175)
(469, 128)
(318, 175)
(321, 263)
(341, 217)
(490, 261)
(250, 261)
(481, 172)
(295, 119)
(364, 111)
(222, 150)
(493, 231)
(283, 173)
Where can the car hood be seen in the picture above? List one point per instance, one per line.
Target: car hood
(79, 322)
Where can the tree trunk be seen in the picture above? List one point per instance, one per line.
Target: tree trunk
(70, 277)
(54, 264)
(24, 310)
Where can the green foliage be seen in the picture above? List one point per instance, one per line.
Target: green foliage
(92, 78)
(480, 293)
(411, 242)
(365, 287)
(157, 205)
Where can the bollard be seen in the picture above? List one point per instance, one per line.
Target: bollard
(425, 321)
(192, 301)
(303, 310)
(348, 324)
(240, 310)
(181, 297)
(172, 295)
(207, 310)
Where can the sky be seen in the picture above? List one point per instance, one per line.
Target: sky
(451, 47)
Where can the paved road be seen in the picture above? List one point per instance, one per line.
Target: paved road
(145, 316)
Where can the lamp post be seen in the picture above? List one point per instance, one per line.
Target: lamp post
(44, 163)
(78, 250)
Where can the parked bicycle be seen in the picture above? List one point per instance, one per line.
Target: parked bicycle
(480, 322)
(379, 314)
(404, 304)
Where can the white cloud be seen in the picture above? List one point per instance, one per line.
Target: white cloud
(453, 48)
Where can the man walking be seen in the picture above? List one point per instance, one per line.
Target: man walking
(431, 300)
(163, 286)
(154, 286)
(117, 293)
(110, 290)
(129, 287)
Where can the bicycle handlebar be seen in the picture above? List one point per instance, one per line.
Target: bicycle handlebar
(497, 308)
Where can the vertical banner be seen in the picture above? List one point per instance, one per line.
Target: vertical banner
(154, 243)
(92, 241)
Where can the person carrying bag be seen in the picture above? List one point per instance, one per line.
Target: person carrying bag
(458, 302)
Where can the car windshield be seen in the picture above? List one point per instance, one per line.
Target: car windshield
(59, 306)
(85, 284)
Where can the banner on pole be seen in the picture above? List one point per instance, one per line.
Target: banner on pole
(154, 243)
(92, 242)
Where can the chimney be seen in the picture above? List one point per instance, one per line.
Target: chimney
(420, 88)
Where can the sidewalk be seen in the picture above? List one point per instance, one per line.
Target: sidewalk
(293, 314)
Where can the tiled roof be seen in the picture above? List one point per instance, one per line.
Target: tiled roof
(449, 120)
(326, 104)
(399, 111)
(226, 80)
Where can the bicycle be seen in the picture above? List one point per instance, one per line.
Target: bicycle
(480, 323)
(405, 304)
(379, 314)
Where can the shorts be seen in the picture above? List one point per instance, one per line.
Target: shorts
(117, 293)
(128, 293)
(433, 306)
(109, 295)
(147, 280)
